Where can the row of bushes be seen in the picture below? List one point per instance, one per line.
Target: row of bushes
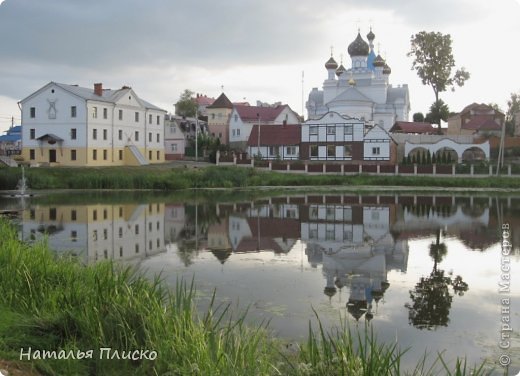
(218, 177)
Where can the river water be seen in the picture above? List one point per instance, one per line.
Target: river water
(433, 272)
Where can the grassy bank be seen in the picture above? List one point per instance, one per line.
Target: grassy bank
(220, 177)
(53, 304)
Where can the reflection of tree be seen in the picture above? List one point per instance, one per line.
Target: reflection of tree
(431, 297)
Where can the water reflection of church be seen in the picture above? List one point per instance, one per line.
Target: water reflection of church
(98, 231)
(355, 247)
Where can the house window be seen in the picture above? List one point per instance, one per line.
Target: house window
(136, 229)
(120, 232)
(73, 111)
(105, 154)
(120, 114)
(136, 136)
(347, 151)
(105, 234)
(120, 134)
(120, 155)
(73, 134)
(73, 215)
(94, 112)
(158, 137)
(376, 151)
(313, 130)
(32, 133)
(150, 155)
(158, 120)
(149, 119)
(213, 116)
(94, 154)
(331, 131)
(174, 147)
(94, 215)
(137, 117)
(73, 155)
(348, 129)
(291, 150)
(158, 155)
(233, 133)
(173, 129)
(149, 136)
(94, 134)
(331, 151)
(236, 117)
(274, 150)
(105, 113)
(137, 248)
(52, 214)
(314, 151)
(31, 154)
(33, 112)
(105, 134)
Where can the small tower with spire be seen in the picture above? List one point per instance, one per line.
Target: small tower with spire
(331, 66)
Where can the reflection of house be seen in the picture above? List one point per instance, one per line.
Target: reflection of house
(338, 138)
(174, 222)
(70, 125)
(474, 119)
(356, 249)
(98, 231)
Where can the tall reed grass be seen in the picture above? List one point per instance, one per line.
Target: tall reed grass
(51, 303)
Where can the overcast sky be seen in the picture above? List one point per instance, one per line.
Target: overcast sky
(256, 50)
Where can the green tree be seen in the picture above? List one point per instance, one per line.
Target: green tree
(438, 111)
(186, 106)
(434, 62)
(513, 107)
(418, 117)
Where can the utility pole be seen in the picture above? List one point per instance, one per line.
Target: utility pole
(258, 146)
(196, 135)
(500, 162)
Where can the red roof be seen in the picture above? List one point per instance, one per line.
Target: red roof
(482, 123)
(413, 127)
(273, 135)
(221, 102)
(267, 114)
(204, 100)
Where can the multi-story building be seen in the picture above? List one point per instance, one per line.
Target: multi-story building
(70, 125)
(362, 91)
(477, 120)
(218, 118)
(334, 137)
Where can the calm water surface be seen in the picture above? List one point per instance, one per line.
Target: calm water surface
(422, 270)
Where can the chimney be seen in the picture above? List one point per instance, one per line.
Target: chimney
(98, 89)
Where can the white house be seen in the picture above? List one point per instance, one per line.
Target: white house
(244, 117)
(334, 137)
(70, 125)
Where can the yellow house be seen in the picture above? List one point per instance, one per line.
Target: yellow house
(69, 125)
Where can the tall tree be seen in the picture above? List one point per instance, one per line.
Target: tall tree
(186, 106)
(513, 108)
(434, 62)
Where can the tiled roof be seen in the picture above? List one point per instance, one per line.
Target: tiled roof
(267, 114)
(204, 101)
(412, 127)
(222, 102)
(483, 123)
(273, 135)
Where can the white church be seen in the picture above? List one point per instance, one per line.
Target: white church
(363, 91)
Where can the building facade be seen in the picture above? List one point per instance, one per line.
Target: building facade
(477, 120)
(363, 91)
(334, 137)
(69, 125)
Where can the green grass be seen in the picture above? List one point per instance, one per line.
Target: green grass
(52, 303)
(167, 179)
